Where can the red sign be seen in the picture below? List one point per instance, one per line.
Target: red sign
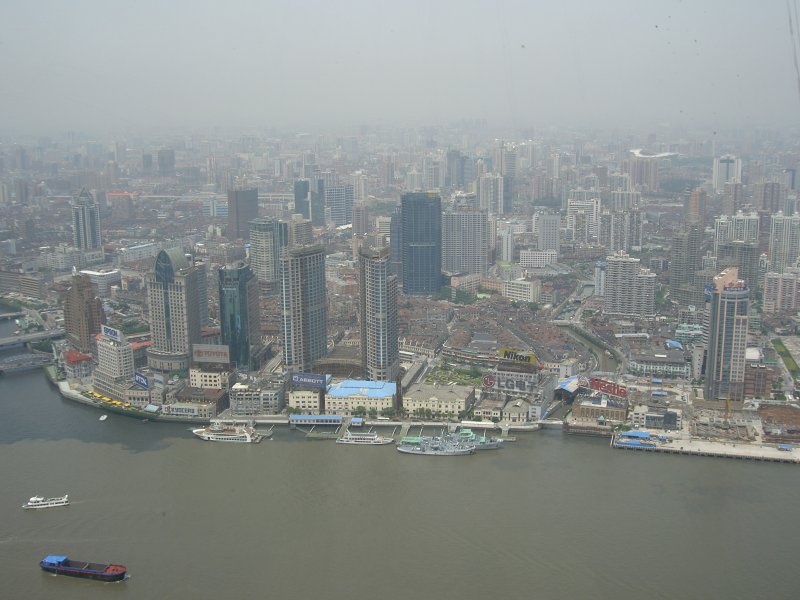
(609, 387)
(488, 381)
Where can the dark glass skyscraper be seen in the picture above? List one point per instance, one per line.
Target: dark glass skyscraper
(86, 222)
(421, 246)
(242, 208)
(302, 189)
(239, 314)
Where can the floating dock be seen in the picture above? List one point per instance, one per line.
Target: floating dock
(742, 451)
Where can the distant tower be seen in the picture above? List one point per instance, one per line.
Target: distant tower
(549, 227)
(83, 314)
(360, 219)
(303, 307)
(239, 314)
(268, 237)
(784, 242)
(172, 296)
(686, 261)
(166, 162)
(302, 190)
(339, 200)
(726, 168)
(85, 222)
(378, 307)
(421, 222)
(629, 289)
(242, 208)
(465, 241)
(727, 337)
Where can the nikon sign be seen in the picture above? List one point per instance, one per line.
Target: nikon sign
(515, 356)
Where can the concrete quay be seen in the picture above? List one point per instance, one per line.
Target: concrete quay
(696, 447)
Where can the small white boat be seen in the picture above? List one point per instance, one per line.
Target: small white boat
(103, 418)
(41, 502)
(217, 432)
(367, 438)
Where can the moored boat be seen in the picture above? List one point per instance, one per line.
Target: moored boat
(61, 565)
(41, 502)
(480, 442)
(367, 438)
(435, 446)
(216, 432)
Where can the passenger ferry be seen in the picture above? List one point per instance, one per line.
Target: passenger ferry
(216, 432)
(40, 502)
(367, 438)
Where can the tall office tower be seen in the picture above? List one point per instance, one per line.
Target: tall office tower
(741, 226)
(490, 193)
(384, 225)
(147, 163)
(694, 205)
(434, 174)
(318, 202)
(686, 261)
(782, 291)
(742, 255)
(166, 162)
(360, 183)
(304, 309)
(414, 180)
(421, 222)
(242, 208)
(301, 233)
(302, 196)
(83, 314)
(339, 199)
(172, 297)
(600, 267)
(591, 208)
(239, 316)
(377, 289)
(387, 172)
(629, 288)
(85, 222)
(454, 177)
(548, 228)
(202, 293)
(727, 337)
(268, 236)
(784, 242)
(465, 241)
(622, 200)
(769, 197)
(643, 173)
(507, 247)
(726, 168)
(506, 160)
(732, 197)
(360, 219)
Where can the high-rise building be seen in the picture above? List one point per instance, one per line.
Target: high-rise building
(172, 297)
(590, 207)
(726, 168)
(421, 223)
(85, 222)
(166, 162)
(239, 315)
(303, 307)
(548, 231)
(782, 291)
(769, 196)
(377, 287)
(629, 289)
(301, 233)
(242, 208)
(741, 227)
(686, 261)
(114, 368)
(490, 193)
(83, 314)
(729, 300)
(339, 200)
(784, 242)
(268, 236)
(360, 219)
(695, 205)
(742, 255)
(465, 241)
(302, 191)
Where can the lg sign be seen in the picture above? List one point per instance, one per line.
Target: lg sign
(610, 388)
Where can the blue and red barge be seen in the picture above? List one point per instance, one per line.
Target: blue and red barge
(61, 565)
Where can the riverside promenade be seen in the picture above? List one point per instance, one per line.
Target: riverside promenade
(783, 453)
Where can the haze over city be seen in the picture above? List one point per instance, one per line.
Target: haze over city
(145, 65)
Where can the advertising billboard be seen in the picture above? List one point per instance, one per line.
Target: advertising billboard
(515, 356)
(112, 333)
(211, 353)
(140, 379)
(311, 380)
(609, 387)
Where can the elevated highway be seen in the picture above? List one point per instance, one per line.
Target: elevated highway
(19, 340)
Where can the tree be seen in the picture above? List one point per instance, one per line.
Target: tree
(373, 412)
(360, 411)
(388, 412)
(292, 410)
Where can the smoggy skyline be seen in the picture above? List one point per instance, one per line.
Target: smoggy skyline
(101, 66)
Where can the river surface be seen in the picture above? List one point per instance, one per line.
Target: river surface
(549, 516)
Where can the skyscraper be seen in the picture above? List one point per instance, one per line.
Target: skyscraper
(267, 237)
(302, 190)
(548, 228)
(239, 315)
(85, 222)
(421, 223)
(784, 242)
(304, 308)
(726, 168)
(490, 193)
(166, 162)
(172, 297)
(242, 208)
(339, 200)
(83, 314)
(727, 336)
(377, 287)
(628, 288)
(686, 261)
(465, 241)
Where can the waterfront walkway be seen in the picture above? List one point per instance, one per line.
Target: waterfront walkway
(699, 447)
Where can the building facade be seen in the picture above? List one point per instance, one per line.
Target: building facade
(86, 222)
(83, 314)
(380, 358)
(421, 242)
(465, 241)
(239, 317)
(304, 311)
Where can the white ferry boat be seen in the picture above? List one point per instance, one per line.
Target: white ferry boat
(216, 432)
(40, 502)
(366, 438)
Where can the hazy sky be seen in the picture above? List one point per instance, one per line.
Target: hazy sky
(103, 64)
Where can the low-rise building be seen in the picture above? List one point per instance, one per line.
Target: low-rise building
(344, 397)
(644, 416)
(447, 400)
(77, 365)
(262, 398)
(663, 363)
(210, 378)
(304, 401)
(600, 407)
